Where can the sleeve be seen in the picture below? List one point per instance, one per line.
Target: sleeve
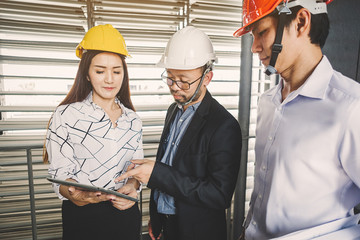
(222, 161)
(139, 152)
(136, 139)
(60, 151)
(349, 149)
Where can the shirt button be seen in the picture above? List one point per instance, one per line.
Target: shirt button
(263, 168)
(260, 196)
(270, 138)
(254, 223)
(173, 143)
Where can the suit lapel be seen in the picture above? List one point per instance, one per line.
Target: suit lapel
(169, 119)
(194, 127)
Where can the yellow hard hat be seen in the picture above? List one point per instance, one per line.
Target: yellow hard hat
(104, 38)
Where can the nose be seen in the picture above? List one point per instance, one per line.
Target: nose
(109, 78)
(174, 87)
(256, 46)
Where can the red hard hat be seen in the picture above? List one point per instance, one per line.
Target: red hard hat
(254, 10)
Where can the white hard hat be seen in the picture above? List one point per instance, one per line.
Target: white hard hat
(189, 48)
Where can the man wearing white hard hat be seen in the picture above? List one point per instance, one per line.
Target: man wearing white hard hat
(197, 163)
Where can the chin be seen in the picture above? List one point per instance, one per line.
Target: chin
(265, 64)
(108, 96)
(180, 101)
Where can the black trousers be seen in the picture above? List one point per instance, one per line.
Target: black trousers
(170, 227)
(100, 221)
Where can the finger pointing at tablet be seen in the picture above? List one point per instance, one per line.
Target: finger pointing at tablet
(141, 172)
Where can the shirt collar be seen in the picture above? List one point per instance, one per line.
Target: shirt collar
(192, 107)
(315, 85)
(89, 101)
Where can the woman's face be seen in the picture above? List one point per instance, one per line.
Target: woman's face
(106, 74)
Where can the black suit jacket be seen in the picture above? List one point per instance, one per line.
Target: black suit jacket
(203, 176)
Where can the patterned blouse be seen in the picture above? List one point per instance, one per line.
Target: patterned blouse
(83, 145)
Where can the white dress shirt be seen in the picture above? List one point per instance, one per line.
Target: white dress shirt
(83, 145)
(307, 173)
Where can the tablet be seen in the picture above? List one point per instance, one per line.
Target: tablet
(91, 188)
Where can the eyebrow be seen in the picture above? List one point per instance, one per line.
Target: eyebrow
(100, 66)
(180, 75)
(253, 27)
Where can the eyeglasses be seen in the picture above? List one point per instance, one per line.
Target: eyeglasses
(181, 84)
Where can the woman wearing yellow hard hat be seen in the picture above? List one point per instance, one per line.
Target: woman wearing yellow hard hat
(92, 136)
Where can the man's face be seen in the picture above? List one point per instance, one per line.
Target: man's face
(264, 33)
(187, 76)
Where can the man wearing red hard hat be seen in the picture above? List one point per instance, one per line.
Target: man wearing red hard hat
(307, 173)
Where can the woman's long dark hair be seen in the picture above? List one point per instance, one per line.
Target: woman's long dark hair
(82, 87)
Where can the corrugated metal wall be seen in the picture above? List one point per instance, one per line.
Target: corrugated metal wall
(38, 65)
(343, 44)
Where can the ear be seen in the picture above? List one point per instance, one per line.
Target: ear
(303, 22)
(207, 78)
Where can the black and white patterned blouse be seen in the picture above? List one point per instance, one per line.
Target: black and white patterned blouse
(83, 145)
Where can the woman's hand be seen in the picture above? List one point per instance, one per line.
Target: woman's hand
(82, 197)
(128, 189)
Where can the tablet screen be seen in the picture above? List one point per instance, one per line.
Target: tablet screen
(91, 188)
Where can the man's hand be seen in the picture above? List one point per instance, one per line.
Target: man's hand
(141, 172)
(151, 234)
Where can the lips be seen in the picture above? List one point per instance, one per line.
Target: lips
(178, 96)
(108, 88)
(263, 60)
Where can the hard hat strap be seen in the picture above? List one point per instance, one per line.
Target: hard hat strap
(208, 69)
(277, 47)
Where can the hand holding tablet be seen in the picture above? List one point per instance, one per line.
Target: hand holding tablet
(91, 188)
